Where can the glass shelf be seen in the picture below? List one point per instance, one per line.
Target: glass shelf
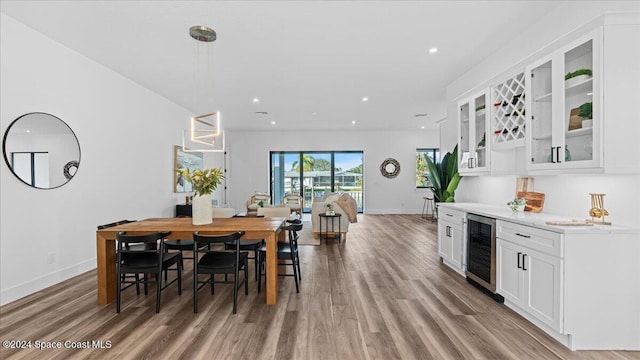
(581, 88)
(579, 132)
(545, 97)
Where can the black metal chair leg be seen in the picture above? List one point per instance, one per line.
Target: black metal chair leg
(295, 271)
(260, 272)
(146, 285)
(235, 290)
(195, 289)
(256, 254)
(298, 264)
(137, 284)
(212, 281)
(158, 290)
(118, 295)
(179, 277)
(246, 276)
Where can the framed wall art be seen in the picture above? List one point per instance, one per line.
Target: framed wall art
(185, 160)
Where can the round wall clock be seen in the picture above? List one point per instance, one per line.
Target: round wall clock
(390, 168)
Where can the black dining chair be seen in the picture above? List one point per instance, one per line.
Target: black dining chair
(252, 245)
(180, 245)
(128, 246)
(215, 262)
(286, 251)
(151, 259)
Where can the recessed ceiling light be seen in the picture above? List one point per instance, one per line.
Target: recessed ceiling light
(421, 127)
(28, 131)
(433, 50)
(365, 99)
(255, 100)
(273, 123)
(353, 122)
(314, 113)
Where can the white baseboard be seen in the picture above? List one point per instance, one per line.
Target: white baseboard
(393, 211)
(42, 282)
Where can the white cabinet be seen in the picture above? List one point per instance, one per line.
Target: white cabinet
(580, 285)
(473, 126)
(530, 280)
(530, 271)
(557, 138)
(451, 238)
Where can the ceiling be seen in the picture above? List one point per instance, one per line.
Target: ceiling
(309, 63)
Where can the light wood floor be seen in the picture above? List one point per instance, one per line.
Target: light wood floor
(384, 294)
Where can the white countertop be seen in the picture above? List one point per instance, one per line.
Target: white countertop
(537, 220)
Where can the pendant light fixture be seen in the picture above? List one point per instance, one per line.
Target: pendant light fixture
(204, 134)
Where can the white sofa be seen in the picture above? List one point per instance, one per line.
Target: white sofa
(318, 207)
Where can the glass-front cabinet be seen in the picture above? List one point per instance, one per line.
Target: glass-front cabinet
(473, 126)
(563, 111)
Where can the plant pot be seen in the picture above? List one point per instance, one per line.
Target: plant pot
(520, 208)
(330, 213)
(587, 123)
(576, 80)
(202, 212)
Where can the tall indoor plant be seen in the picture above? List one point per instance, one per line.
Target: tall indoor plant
(444, 176)
(204, 183)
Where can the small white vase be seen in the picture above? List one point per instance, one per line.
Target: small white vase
(201, 210)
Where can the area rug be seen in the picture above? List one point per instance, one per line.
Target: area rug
(306, 235)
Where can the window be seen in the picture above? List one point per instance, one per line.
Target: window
(421, 165)
(311, 173)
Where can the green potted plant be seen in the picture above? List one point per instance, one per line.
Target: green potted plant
(444, 177)
(586, 113)
(204, 183)
(329, 209)
(517, 204)
(574, 77)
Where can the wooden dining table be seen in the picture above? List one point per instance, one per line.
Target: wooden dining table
(267, 228)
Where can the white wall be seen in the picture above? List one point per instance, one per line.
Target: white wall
(249, 163)
(567, 194)
(126, 136)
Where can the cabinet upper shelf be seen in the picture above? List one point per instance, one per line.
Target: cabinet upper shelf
(581, 88)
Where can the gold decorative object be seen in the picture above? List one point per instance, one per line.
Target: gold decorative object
(598, 210)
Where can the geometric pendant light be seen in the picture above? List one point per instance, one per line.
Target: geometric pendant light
(205, 134)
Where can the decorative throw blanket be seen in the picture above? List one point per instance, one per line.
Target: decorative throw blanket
(350, 207)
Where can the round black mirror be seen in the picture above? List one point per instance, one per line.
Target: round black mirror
(41, 150)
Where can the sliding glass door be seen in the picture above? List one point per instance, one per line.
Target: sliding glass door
(312, 173)
(347, 176)
(284, 177)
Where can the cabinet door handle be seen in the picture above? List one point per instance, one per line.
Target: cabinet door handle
(524, 236)
(449, 215)
(519, 266)
(558, 154)
(552, 160)
(523, 262)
